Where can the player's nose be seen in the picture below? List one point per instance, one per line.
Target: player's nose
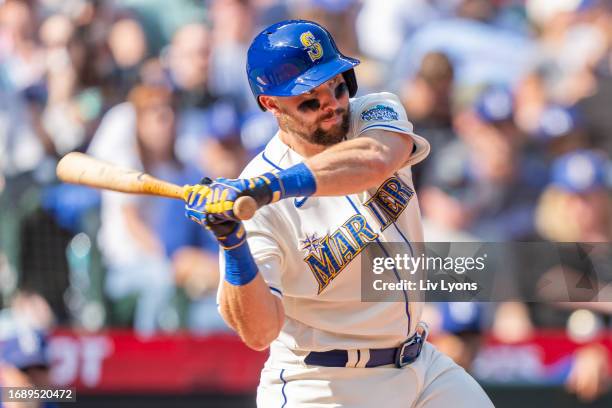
(328, 99)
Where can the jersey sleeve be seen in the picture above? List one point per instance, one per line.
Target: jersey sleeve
(384, 111)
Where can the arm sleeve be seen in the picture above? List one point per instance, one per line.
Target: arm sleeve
(265, 247)
(384, 111)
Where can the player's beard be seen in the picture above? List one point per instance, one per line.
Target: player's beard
(329, 137)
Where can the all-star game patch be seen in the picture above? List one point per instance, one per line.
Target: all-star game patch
(379, 113)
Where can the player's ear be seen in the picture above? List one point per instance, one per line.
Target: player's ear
(270, 103)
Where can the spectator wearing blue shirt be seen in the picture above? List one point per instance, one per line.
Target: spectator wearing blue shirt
(146, 244)
(484, 182)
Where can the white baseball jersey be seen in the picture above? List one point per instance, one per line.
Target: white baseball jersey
(307, 249)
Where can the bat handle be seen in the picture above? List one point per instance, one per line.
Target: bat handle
(245, 207)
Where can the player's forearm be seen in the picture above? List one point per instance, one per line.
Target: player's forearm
(251, 310)
(346, 168)
(356, 165)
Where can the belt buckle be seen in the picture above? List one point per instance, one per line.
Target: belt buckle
(417, 340)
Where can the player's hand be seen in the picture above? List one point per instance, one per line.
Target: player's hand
(229, 233)
(218, 197)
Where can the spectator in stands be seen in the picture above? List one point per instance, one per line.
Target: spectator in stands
(209, 125)
(188, 63)
(577, 207)
(24, 363)
(22, 57)
(23, 347)
(428, 101)
(481, 52)
(23, 143)
(592, 108)
(161, 19)
(561, 77)
(428, 97)
(580, 196)
(233, 25)
(564, 27)
(596, 118)
(456, 329)
(394, 21)
(128, 47)
(71, 106)
(560, 131)
(484, 183)
(142, 240)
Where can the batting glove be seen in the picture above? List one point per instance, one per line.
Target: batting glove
(240, 267)
(229, 233)
(218, 197)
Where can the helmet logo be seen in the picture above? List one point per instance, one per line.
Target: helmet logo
(312, 45)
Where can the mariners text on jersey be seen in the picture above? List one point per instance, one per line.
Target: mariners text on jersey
(328, 256)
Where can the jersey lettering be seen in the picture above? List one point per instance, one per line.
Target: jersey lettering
(389, 201)
(328, 256)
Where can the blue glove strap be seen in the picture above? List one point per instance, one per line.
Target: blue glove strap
(240, 267)
(298, 181)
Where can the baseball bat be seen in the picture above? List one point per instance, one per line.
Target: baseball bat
(79, 168)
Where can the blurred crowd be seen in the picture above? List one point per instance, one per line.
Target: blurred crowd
(515, 97)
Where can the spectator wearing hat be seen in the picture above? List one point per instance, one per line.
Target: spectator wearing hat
(484, 182)
(576, 207)
(559, 131)
(579, 194)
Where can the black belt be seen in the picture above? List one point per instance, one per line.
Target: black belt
(401, 356)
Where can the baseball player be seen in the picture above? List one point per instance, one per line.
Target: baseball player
(334, 179)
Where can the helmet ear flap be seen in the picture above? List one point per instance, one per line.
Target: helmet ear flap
(351, 81)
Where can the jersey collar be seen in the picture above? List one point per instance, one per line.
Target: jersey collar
(279, 155)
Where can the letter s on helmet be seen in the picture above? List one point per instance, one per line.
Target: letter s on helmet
(294, 56)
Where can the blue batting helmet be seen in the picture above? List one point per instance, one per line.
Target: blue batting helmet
(294, 56)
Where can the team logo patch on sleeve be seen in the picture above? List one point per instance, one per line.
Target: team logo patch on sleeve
(379, 113)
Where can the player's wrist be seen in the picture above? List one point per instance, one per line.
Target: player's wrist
(297, 181)
(229, 239)
(265, 189)
(240, 267)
